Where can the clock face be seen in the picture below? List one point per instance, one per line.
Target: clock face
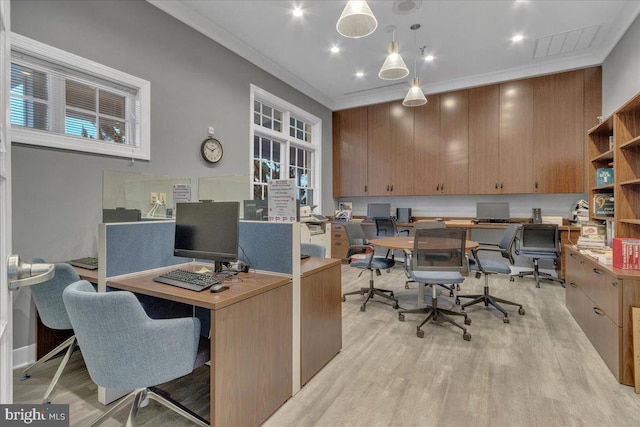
(211, 150)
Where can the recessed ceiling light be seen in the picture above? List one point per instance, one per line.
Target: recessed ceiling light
(517, 38)
(359, 74)
(297, 12)
(428, 58)
(335, 49)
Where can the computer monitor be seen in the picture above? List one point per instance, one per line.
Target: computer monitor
(120, 215)
(256, 210)
(378, 210)
(492, 212)
(207, 230)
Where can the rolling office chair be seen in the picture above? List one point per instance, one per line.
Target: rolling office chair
(48, 299)
(358, 245)
(125, 349)
(386, 227)
(430, 268)
(540, 241)
(407, 253)
(490, 266)
(313, 249)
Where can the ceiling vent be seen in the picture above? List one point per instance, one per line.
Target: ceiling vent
(405, 7)
(571, 41)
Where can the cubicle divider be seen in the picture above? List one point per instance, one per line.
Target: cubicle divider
(127, 248)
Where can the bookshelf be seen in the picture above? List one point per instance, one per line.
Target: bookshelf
(601, 156)
(627, 169)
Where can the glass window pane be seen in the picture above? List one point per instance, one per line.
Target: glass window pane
(81, 124)
(256, 170)
(257, 191)
(28, 82)
(256, 118)
(304, 179)
(292, 132)
(277, 126)
(112, 104)
(265, 192)
(80, 96)
(292, 172)
(300, 125)
(266, 149)
(256, 106)
(275, 171)
(300, 158)
(292, 156)
(29, 113)
(266, 110)
(256, 147)
(292, 122)
(277, 115)
(266, 122)
(276, 151)
(299, 135)
(113, 131)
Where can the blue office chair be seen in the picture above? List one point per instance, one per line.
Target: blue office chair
(487, 266)
(313, 249)
(358, 245)
(124, 349)
(387, 227)
(48, 299)
(429, 267)
(540, 241)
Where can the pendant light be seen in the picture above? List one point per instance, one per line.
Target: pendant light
(394, 67)
(356, 20)
(415, 97)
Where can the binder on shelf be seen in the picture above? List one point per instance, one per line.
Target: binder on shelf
(603, 205)
(604, 176)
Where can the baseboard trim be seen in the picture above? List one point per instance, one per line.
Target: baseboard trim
(24, 356)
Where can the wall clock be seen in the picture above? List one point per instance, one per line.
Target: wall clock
(211, 150)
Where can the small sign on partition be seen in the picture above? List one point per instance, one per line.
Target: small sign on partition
(282, 200)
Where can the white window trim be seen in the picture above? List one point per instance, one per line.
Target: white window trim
(316, 137)
(142, 149)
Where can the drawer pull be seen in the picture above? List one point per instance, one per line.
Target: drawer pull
(598, 311)
(572, 255)
(598, 272)
(614, 284)
(573, 285)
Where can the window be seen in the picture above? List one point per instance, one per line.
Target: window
(274, 145)
(64, 101)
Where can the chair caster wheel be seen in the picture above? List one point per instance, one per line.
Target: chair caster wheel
(401, 317)
(46, 402)
(420, 333)
(511, 279)
(24, 377)
(467, 321)
(466, 336)
(363, 308)
(406, 286)
(537, 285)
(457, 301)
(344, 298)
(396, 306)
(521, 311)
(457, 289)
(505, 319)
(451, 294)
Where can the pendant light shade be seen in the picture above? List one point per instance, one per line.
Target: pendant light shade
(356, 20)
(394, 67)
(415, 97)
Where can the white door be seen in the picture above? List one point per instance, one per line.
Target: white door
(6, 306)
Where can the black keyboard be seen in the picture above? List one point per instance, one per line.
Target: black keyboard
(89, 263)
(187, 280)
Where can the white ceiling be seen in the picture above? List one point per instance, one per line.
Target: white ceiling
(470, 40)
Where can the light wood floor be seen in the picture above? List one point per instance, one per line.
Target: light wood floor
(538, 370)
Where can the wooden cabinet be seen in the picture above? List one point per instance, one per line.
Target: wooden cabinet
(453, 156)
(427, 147)
(524, 136)
(339, 241)
(558, 132)
(600, 298)
(350, 152)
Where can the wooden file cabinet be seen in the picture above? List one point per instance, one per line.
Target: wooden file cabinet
(339, 242)
(600, 298)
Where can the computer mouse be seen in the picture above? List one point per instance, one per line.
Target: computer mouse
(218, 288)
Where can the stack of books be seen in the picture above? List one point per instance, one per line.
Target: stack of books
(581, 212)
(592, 235)
(626, 253)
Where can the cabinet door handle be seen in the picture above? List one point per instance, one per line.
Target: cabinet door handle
(572, 256)
(598, 272)
(501, 185)
(391, 187)
(365, 188)
(573, 285)
(438, 187)
(614, 284)
(598, 311)
(496, 185)
(442, 187)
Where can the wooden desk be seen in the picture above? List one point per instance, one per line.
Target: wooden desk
(320, 314)
(251, 341)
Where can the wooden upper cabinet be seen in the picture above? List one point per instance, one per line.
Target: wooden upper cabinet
(427, 147)
(350, 152)
(454, 143)
(558, 133)
(402, 141)
(516, 136)
(380, 151)
(485, 175)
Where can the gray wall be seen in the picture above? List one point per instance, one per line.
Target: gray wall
(195, 83)
(621, 71)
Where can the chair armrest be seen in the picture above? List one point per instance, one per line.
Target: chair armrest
(404, 231)
(361, 249)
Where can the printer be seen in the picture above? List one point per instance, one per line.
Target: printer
(315, 228)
